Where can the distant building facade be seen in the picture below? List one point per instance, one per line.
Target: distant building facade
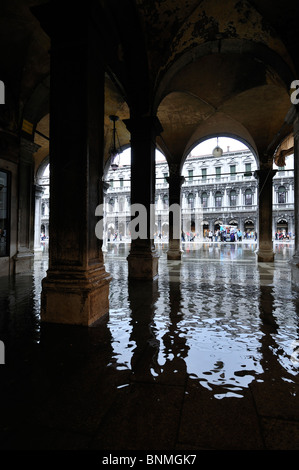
(216, 191)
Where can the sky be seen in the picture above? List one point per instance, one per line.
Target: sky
(205, 148)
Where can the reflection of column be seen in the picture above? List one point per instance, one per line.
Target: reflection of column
(175, 344)
(24, 257)
(265, 243)
(38, 190)
(142, 303)
(76, 288)
(143, 258)
(175, 181)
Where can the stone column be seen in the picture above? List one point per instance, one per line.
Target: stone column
(26, 204)
(76, 288)
(38, 192)
(295, 259)
(175, 181)
(264, 233)
(143, 258)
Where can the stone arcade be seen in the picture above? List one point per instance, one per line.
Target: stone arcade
(175, 72)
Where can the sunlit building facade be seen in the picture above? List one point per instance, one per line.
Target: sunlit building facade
(216, 192)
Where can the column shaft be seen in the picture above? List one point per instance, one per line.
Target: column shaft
(26, 205)
(265, 243)
(175, 181)
(143, 258)
(76, 288)
(296, 189)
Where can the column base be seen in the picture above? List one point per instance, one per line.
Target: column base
(265, 256)
(23, 262)
(174, 254)
(75, 298)
(143, 265)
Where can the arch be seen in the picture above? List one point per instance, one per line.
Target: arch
(237, 46)
(248, 143)
(41, 169)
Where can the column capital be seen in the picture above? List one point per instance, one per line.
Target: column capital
(178, 179)
(263, 173)
(38, 190)
(27, 149)
(142, 124)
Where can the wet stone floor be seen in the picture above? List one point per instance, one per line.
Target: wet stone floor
(204, 358)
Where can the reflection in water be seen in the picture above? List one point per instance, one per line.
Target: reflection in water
(225, 323)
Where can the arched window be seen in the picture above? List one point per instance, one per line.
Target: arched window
(218, 199)
(121, 204)
(248, 197)
(165, 201)
(281, 195)
(204, 199)
(111, 204)
(233, 197)
(191, 201)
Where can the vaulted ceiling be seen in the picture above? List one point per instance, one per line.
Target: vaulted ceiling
(204, 67)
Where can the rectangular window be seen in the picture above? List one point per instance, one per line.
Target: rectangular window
(121, 182)
(111, 183)
(218, 201)
(165, 176)
(204, 173)
(4, 213)
(247, 169)
(233, 172)
(190, 175)
(218, 172)
(204, 200)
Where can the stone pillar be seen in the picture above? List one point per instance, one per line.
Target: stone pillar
(264, 233)
(175, 181)
(76, 288)
(38, 192)
(295, 259)
(26, 204)
(143, 258)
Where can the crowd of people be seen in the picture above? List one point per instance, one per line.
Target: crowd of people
(222, 234)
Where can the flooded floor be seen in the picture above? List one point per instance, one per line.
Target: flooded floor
(204, 358)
